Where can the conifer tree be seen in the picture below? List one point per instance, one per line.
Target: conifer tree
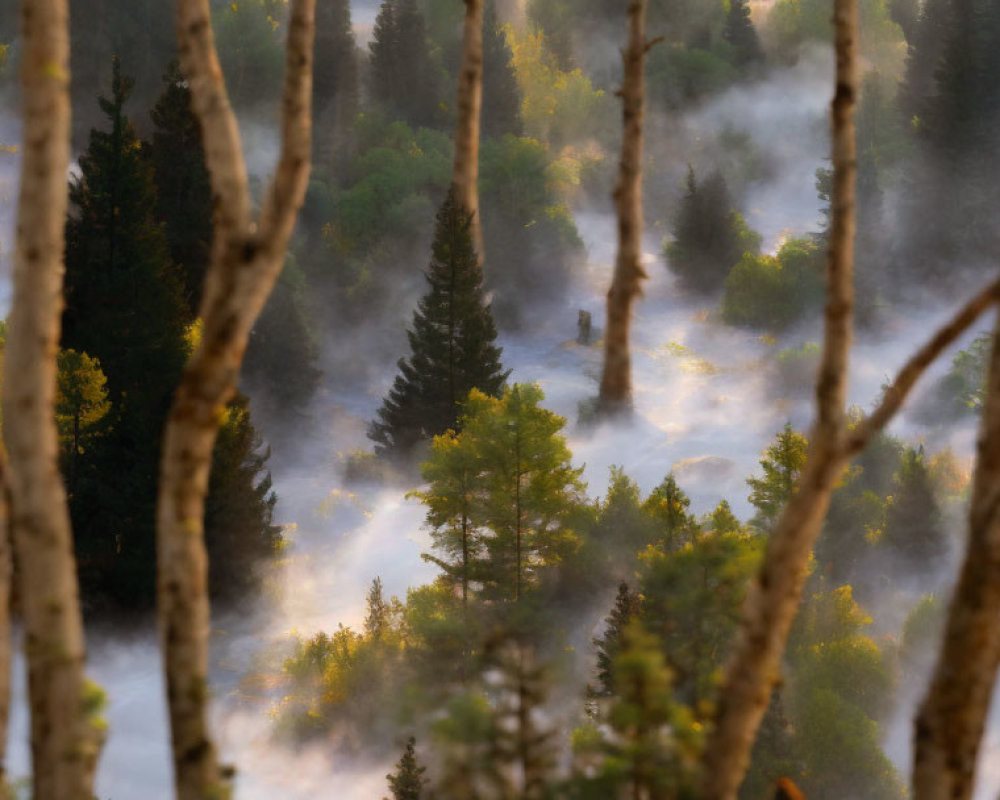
(404, 78)
(183, 193)
(914, 532)
(502, 108)
(376, 611)
(740, 33)
(335, 82)
(609, 643)
(451, 343)
(125, 308)
(408, 782)
(782, 463)
(667, 505)
(709, 237)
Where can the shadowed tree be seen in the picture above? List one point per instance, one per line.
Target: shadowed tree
(502, 114)
(407, 782)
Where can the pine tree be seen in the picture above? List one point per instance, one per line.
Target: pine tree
(451, 342)
(408, 782)
(184, 193)
(782, 463)
(376, 611)
(914, 533)
(239, 510)
(667, 505)
(124, 307)
(335, 82)
(709, 237)
(502, 106)
(740, 33)
(609, 643)
(404, 78)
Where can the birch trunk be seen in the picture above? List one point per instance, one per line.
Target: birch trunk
(616, 380)
(469, 104)
(949, 724)
(247, 257)
(777, 591)
(39, 519)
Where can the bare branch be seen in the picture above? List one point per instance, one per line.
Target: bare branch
(857, 439)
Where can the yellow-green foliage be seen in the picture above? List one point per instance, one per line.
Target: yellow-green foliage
(773, 292)
(559, 107)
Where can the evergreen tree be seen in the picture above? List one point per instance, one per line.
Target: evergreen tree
(451, 342)
(376, 611)
(914, 533)
(709, 237)
(184, 192)
(667, 505)
(404, 78)
(408, 782)
(722, 519)
(335, 82)
(502, 104)
(623, 525)
(740, 33)
(124, 307)
(239, 510)
(609, 643)
(782, 463)
(81, 403)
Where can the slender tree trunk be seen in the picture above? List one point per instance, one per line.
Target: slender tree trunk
(616, 380)
(469, 103)
(949, 724)
(6, 643)
(247, 257)
(39, 519)
(775, 596)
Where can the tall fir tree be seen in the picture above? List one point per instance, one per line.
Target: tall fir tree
(184, 192)
(404, 78)
(782, 463)
(740, 33)
(407, 782)
(609, 644)
(124, 307)
(452, 344)
(502, 109)
(914, 531)
(335, 83)
(709, 237)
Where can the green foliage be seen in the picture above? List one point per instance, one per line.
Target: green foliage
(739, 32)
(336, 87)
(609, 644)
(692, 601)
(554, 20)
(522, 493)
(501, 113)
(405, 81)
(667, 507)
(451, 344)
(251, 50)
(407, 783)
(680, 76)
(914, 531)
(709, 237)
(183, 190)
(773, 292)
(966, 380)
(922, 629)
(81, 403)
(782, 463)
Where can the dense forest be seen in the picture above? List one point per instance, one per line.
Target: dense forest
(499, 399)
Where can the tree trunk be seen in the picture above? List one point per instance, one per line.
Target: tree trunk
(469, 104)
(39, 519)
(949, 724)
(775, 596)
(247, 258)
(616, 381)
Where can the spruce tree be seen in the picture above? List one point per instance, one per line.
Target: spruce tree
(609, 643)
(740, 33)
(667, 506)
(451, 343)
(124, 307)
(782, 463)
(502, 107)
(404, 77)
(335, 82)
(408, 782)
(709, 237)
(914, 532)
(184, 192)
